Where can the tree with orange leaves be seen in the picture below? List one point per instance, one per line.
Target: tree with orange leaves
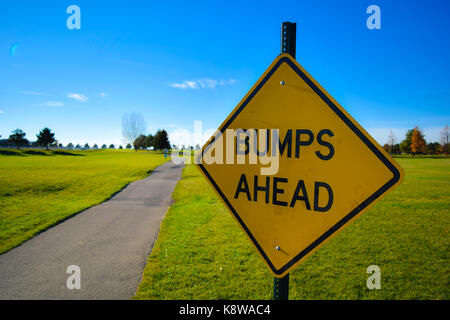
(418, 143)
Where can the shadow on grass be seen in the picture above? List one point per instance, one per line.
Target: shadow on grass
(65, 153)
(11, 153)
(35, 153)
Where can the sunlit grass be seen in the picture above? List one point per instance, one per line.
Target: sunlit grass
(201, 253)
(39, 188)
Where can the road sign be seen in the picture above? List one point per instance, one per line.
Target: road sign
(293, 167)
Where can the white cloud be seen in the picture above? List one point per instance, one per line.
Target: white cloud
(229, 81)
(185, 85)
(102, 95)
(77, 96)
(53, 104)
(33, 93)
(207, 83)
(202, 83)
(1, 111)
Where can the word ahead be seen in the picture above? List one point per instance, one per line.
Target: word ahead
(293, 167)
(271, 194)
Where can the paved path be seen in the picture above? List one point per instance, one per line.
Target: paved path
(109, 242)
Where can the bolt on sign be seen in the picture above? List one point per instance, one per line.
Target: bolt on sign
(293, 167)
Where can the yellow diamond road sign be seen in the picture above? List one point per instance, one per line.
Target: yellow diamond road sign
(293, 166)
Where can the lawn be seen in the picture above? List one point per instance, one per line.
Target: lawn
(201, 253)
(40, 188)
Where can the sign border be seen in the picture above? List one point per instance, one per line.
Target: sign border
(286, 58)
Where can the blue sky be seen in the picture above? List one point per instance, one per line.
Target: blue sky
(180, 61)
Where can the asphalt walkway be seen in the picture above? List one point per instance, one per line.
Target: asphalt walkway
(109, 242)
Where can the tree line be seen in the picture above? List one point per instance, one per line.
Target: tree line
(415, 143)
(133, 130)
(46, 139)
(159, 141)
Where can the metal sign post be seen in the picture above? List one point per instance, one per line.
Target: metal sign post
(288, 44)
(281, 288)
(288, 38)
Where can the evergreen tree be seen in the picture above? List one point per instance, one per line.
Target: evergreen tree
(45, 138)
(17, 138)
(161, 140)
(149, 141)
(140, 142)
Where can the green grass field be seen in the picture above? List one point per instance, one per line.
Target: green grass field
(201, 253)
(40, 188)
